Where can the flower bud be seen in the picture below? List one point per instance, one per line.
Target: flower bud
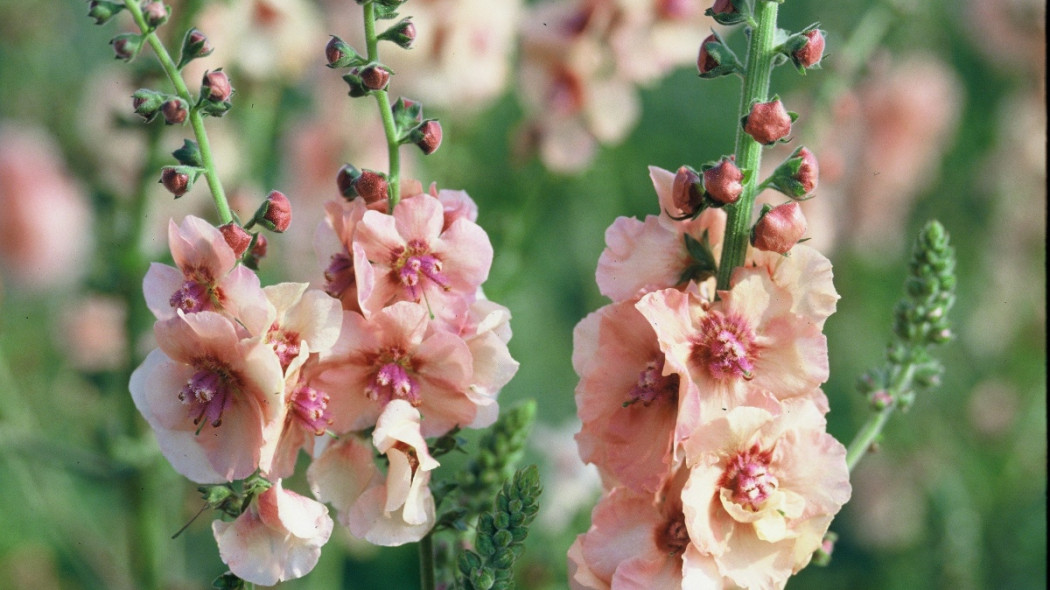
(809, 54)
(371, 186)
(237, 237)
(194, 45)
(155, 14)
(147, 103)
(126, 45)
(403, 33)
(716, 58)
(189, 154)
(375, 77)
(357, 86)
(797, 177)
(175, 111)
(705, 62)
(176, 179)
(216, 86)
(345, 178)
(779, 228)
(275, 214)
(427, 136)
(724, 182)
(687, 192)
(258, 251)
(340, 54)
(726, 12)
(103, 11)
(768, 122)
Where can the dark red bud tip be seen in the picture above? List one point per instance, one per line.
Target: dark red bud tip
(375, 77)
(705, 62)
(768, 122)
(175, 111)
(278, 212)
(429, 136)
(808, 171)
(155, 13)
(779, 229)
(259, 248)
(345, 178)
(339, 54)
(723, 7)
(724, 182)
(201, 45)
(237, 237)
(176, 181)
(216, 86)
(371, 186)
(686, 191)
(126, 46)
(810, 54)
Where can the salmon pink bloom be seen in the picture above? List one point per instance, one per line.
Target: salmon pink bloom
(408, 257)
(762, 490)
(398, 354)
(214, 398)
(301, 317)
(806, 275)
(333, 243)
(486, 332)
(279, 537)
(207, 278)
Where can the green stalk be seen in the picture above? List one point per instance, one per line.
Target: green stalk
(759, 64)
(870, 431)
(196, 118)
(383, 100)
(426, 563)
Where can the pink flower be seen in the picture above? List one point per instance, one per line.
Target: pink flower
(627, 405)
(762, 490)
(397, 354)
(806, 275)
(748, 340)
(207, 278)
(93, 332)
(214, 398)
(407, 257)
(486, 332)
(279, 537)
(302, 318)
(333, 243)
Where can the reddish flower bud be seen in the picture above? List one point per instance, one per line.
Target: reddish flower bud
(375, 77)
(126, 46)
(687, 191)
(275, 213)
(102, 11)
(345, 178)
(428, 136)
(194, 45)
(155, 13)
(403, 34)
(779, 228)
(371, 186)
(808, 171)
(147, 103)
(768, 122)
(723, 7)
(216, 86)
(723, 183)
(237, 237)
(809, 54)
(175, 111)
(797, 177)
(175, 180)
(705, 62)
(257, 253)
(340, 54)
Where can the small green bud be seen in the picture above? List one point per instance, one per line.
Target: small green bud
(102, 11)
(194, 45)
(126, 45)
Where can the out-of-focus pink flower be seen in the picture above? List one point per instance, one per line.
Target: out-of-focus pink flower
(279, 537)
(762, 490)
(207, 278)
(397, 354)
(627, 405)
(43, 237)
(93, 333)
(214, 398)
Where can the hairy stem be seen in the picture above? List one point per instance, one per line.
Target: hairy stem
(759, 64)
(383, 100)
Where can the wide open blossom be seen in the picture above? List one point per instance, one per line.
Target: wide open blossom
(627, 405)
(207, 278)
(302, 318)
(806, 275)
(762, 490)
(408, 256)
(390, 510)
(644, 256)
(397, 354)
(279, 537)
(214, 397)
(749, 340)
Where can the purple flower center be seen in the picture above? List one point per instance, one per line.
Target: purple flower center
(653, 385)
(192, 297)
(724, 345)
(392, 380)
(310, 407)
(207, 394)
(414, 263)
(672, 536)
(748, 478)
(285, 344)
(339, 276)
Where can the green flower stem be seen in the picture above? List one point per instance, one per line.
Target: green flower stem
(196, 118)
(759, 64)
(870, 431)
(426, 563)
(383, 100)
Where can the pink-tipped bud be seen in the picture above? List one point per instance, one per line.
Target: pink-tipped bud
(371, 186)
(810, 54)
(126, 46)
(155, 13)
(147, 103)
(375, 77)
(345, 178)
(428, 136)
(768, 122)
(194, 45)
(705, 62)
(176, 181)
(797, 177)
(779, 228)
(216, 86)
(175, 111)
(686, 191)
(808, 171)
(237, 237)
(724, 182)
(339, 54)
(403, 34)
(723, 7)
(275, 213)
(257, 253)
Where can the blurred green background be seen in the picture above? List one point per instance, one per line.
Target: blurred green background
(931, 111)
